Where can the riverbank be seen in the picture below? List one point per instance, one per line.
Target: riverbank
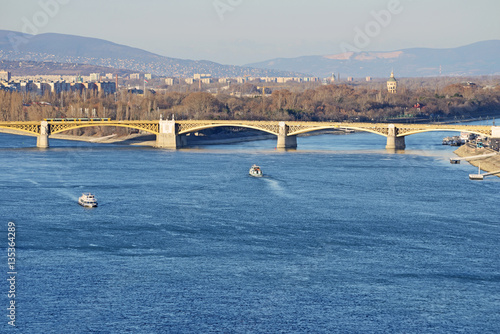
(132, 139)
(148, 139)
(490, 164)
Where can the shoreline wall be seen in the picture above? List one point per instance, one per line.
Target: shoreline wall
(489, 164)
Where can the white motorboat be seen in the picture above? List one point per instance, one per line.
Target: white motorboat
(87, 200)
(478, 176)
(255, 171)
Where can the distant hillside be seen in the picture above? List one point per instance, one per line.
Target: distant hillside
(31, 68)
(62, 48)
(480, 58)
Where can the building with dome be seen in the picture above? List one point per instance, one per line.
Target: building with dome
(392, 84)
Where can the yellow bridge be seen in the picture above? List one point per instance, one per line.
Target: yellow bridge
(171, 133)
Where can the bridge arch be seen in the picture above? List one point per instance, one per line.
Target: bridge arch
(409, 133)
(31, 132)
(336, 127)
(54, 129)
(232, 125)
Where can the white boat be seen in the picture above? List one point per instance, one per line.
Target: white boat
(255, 171)
(478, 176)
(87, 200)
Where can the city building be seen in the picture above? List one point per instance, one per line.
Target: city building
(25, 86)
(189, 81)
(368, 79)
(135, 76)
(495, 144)
(8, 86)
(57, 87)
(283, 79)
(392, 84)
(169, 81)
(350, 79)
(90, 85)
(77, 87)
(198, 76)
(95, 77)
(269, 79)
(5, 75)
(106, 87)
(147, 76)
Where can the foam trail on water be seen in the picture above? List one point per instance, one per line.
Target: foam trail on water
(67, 193)
(63, 192)
(33, 181)
(277, 188)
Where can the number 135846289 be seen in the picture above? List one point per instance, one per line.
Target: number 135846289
(11, 272)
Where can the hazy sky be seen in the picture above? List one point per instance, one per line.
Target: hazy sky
(245, 31)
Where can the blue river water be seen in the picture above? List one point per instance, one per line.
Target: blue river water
(340, 236)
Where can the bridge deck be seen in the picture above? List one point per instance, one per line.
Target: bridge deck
(294, 127)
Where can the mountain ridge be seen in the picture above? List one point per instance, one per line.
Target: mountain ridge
(478, 58)
(64, 48)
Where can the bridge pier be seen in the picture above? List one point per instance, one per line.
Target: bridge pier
(42, 140)
(393, 141)
(168, 136)
(285, 141)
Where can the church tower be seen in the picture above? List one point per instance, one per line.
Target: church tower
(392, 84)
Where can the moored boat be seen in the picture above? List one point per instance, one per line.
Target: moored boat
(87, 200)
(255, 171)
(478, 176)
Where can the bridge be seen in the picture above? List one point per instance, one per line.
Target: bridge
(172, 133)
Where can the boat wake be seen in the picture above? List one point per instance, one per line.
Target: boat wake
(60, 192)
(277, 188)
(33, 181)
(66, 193)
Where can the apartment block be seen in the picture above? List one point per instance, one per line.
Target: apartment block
(5, 75)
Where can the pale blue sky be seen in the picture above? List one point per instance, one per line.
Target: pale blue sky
(244, 31)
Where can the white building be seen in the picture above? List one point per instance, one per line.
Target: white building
(5, 75)
(198, 76)
(95, 77)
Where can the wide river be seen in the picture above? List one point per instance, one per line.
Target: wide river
(340, 236)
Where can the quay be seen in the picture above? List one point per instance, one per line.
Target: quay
(480, 177)
(474, 157)
(485, 159)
